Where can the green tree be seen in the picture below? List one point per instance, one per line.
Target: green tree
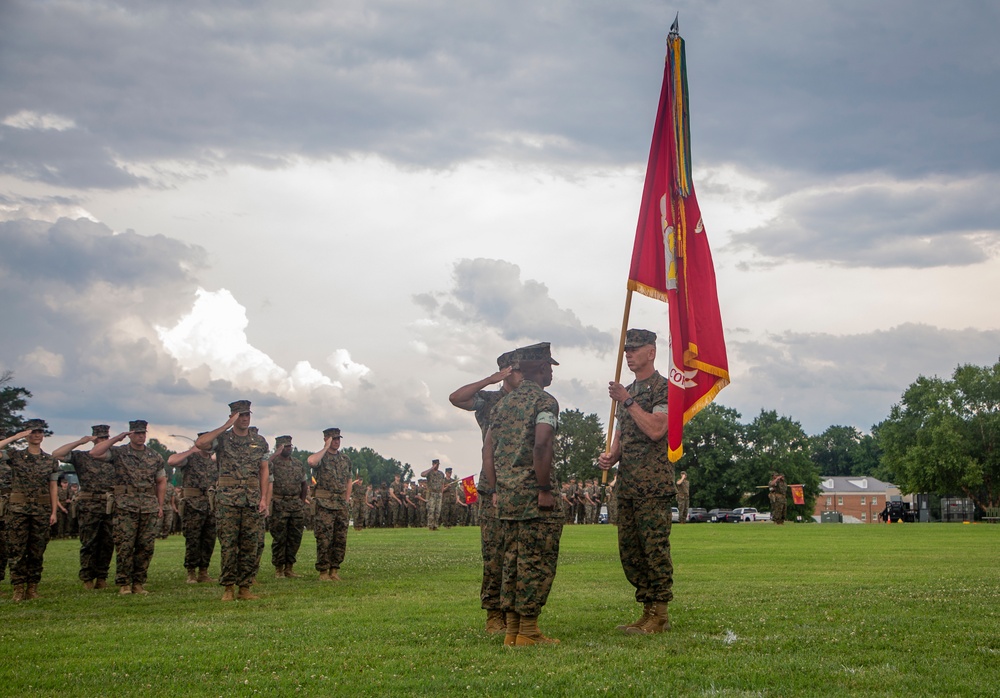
(13, 400)
(172, 476)
(579, 441)
(943, 435)
(837, 452)
(779, 444)
(375, 468)
(713, 446)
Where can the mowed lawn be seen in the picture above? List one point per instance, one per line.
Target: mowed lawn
(806, 609)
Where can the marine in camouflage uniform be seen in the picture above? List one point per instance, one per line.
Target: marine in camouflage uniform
(422, 503)
(240, 501)
(475, 398)
(95, 521)
(395, 503)
(199, 475)
(645, 486)
(332, 470)
(358, 507)
(288, 507)
(139, 491)
(168, 510)
(777, 493)
(435, 483)
(517, 459)
(32, 506)
(448, 503)
(683, 497)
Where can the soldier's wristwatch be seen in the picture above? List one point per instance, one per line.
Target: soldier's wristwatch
(628, 403)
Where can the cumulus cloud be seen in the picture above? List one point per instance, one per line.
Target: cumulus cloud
(488, 303)
(806, 375)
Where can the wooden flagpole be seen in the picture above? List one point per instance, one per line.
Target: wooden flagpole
(618, 379)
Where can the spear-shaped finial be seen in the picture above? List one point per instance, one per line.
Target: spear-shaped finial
(675, 28)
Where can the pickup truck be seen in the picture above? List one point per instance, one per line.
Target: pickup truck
(746, 513)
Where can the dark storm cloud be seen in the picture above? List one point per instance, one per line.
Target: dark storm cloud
(490, 293)
(897, 86)
(928, 224)
(822, 379)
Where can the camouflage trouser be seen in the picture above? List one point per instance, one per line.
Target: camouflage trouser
(612, 510)
(590, 513)
(97, 539)
(135, 538)
(394, 520)
(777, 508)
(411, 516)
(448, 510)
(358, 510)
(422, 514)
(331, 538)
(530, 554)
(27, 537)
(286, 536)
(491, 537)
(199, 536)
(168, 521)
(682, 509)
(433, 510)
(261, 538)
(239, 536)
(644, 546)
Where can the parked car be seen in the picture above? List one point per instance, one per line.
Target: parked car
(728, 517)
(698, 515)
(763, 516)
(675, 514)
(721, 516)
(746, 513)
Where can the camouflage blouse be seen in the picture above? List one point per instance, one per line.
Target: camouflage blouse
(483, 405)
(645, 470)
(512, 424)
(30, 475)
(240, 457)
(96, 476)
(333, 474)
(435, 481)
(200, 471)
(139, 471)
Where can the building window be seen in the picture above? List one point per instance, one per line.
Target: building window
(864, 516)
(874, 501)
(840, 501)
(829, 501)
(862, 501)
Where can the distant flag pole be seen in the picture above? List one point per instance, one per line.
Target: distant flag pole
(672, 262)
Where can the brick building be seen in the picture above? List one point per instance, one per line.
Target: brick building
(858, 499)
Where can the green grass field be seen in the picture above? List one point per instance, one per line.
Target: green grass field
(759, 610)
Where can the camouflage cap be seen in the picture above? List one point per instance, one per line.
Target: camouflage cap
(639, 338)
(506, 359)
(331, 433)
(138, 425)
(35, 424)
(536, 352)
(436, 461)
(448, 469)
(283, 441)
(240, 406)
(100, 430)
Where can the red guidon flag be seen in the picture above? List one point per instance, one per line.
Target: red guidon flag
(798, 495)
(469, 487)
(671, 260)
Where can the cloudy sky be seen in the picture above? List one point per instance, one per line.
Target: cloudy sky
(345, 210)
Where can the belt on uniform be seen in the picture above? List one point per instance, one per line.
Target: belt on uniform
(285, 497)
(89, 496)
(322, 494)
(129, 489)
(193, 492)
(251, 482)
(22, 498)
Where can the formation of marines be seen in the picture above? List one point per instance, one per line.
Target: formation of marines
(234, 488)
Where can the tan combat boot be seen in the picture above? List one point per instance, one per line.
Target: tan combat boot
(20, 592)
(228, 594)
(137, 589)
(192, 577)
(494, 623)
(529, 634)
(125, 589)
(658, 622)
(334, 577)
(324, 576)
(513, 626)
(647, 611)
(246, 595)
(101, 584)
(89, 585)
(203, 575)
(31, 593)
(279, 572)
(290, 574)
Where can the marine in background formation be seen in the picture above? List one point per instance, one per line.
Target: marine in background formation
(287, 520)
(199, 476)
(332, 471)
